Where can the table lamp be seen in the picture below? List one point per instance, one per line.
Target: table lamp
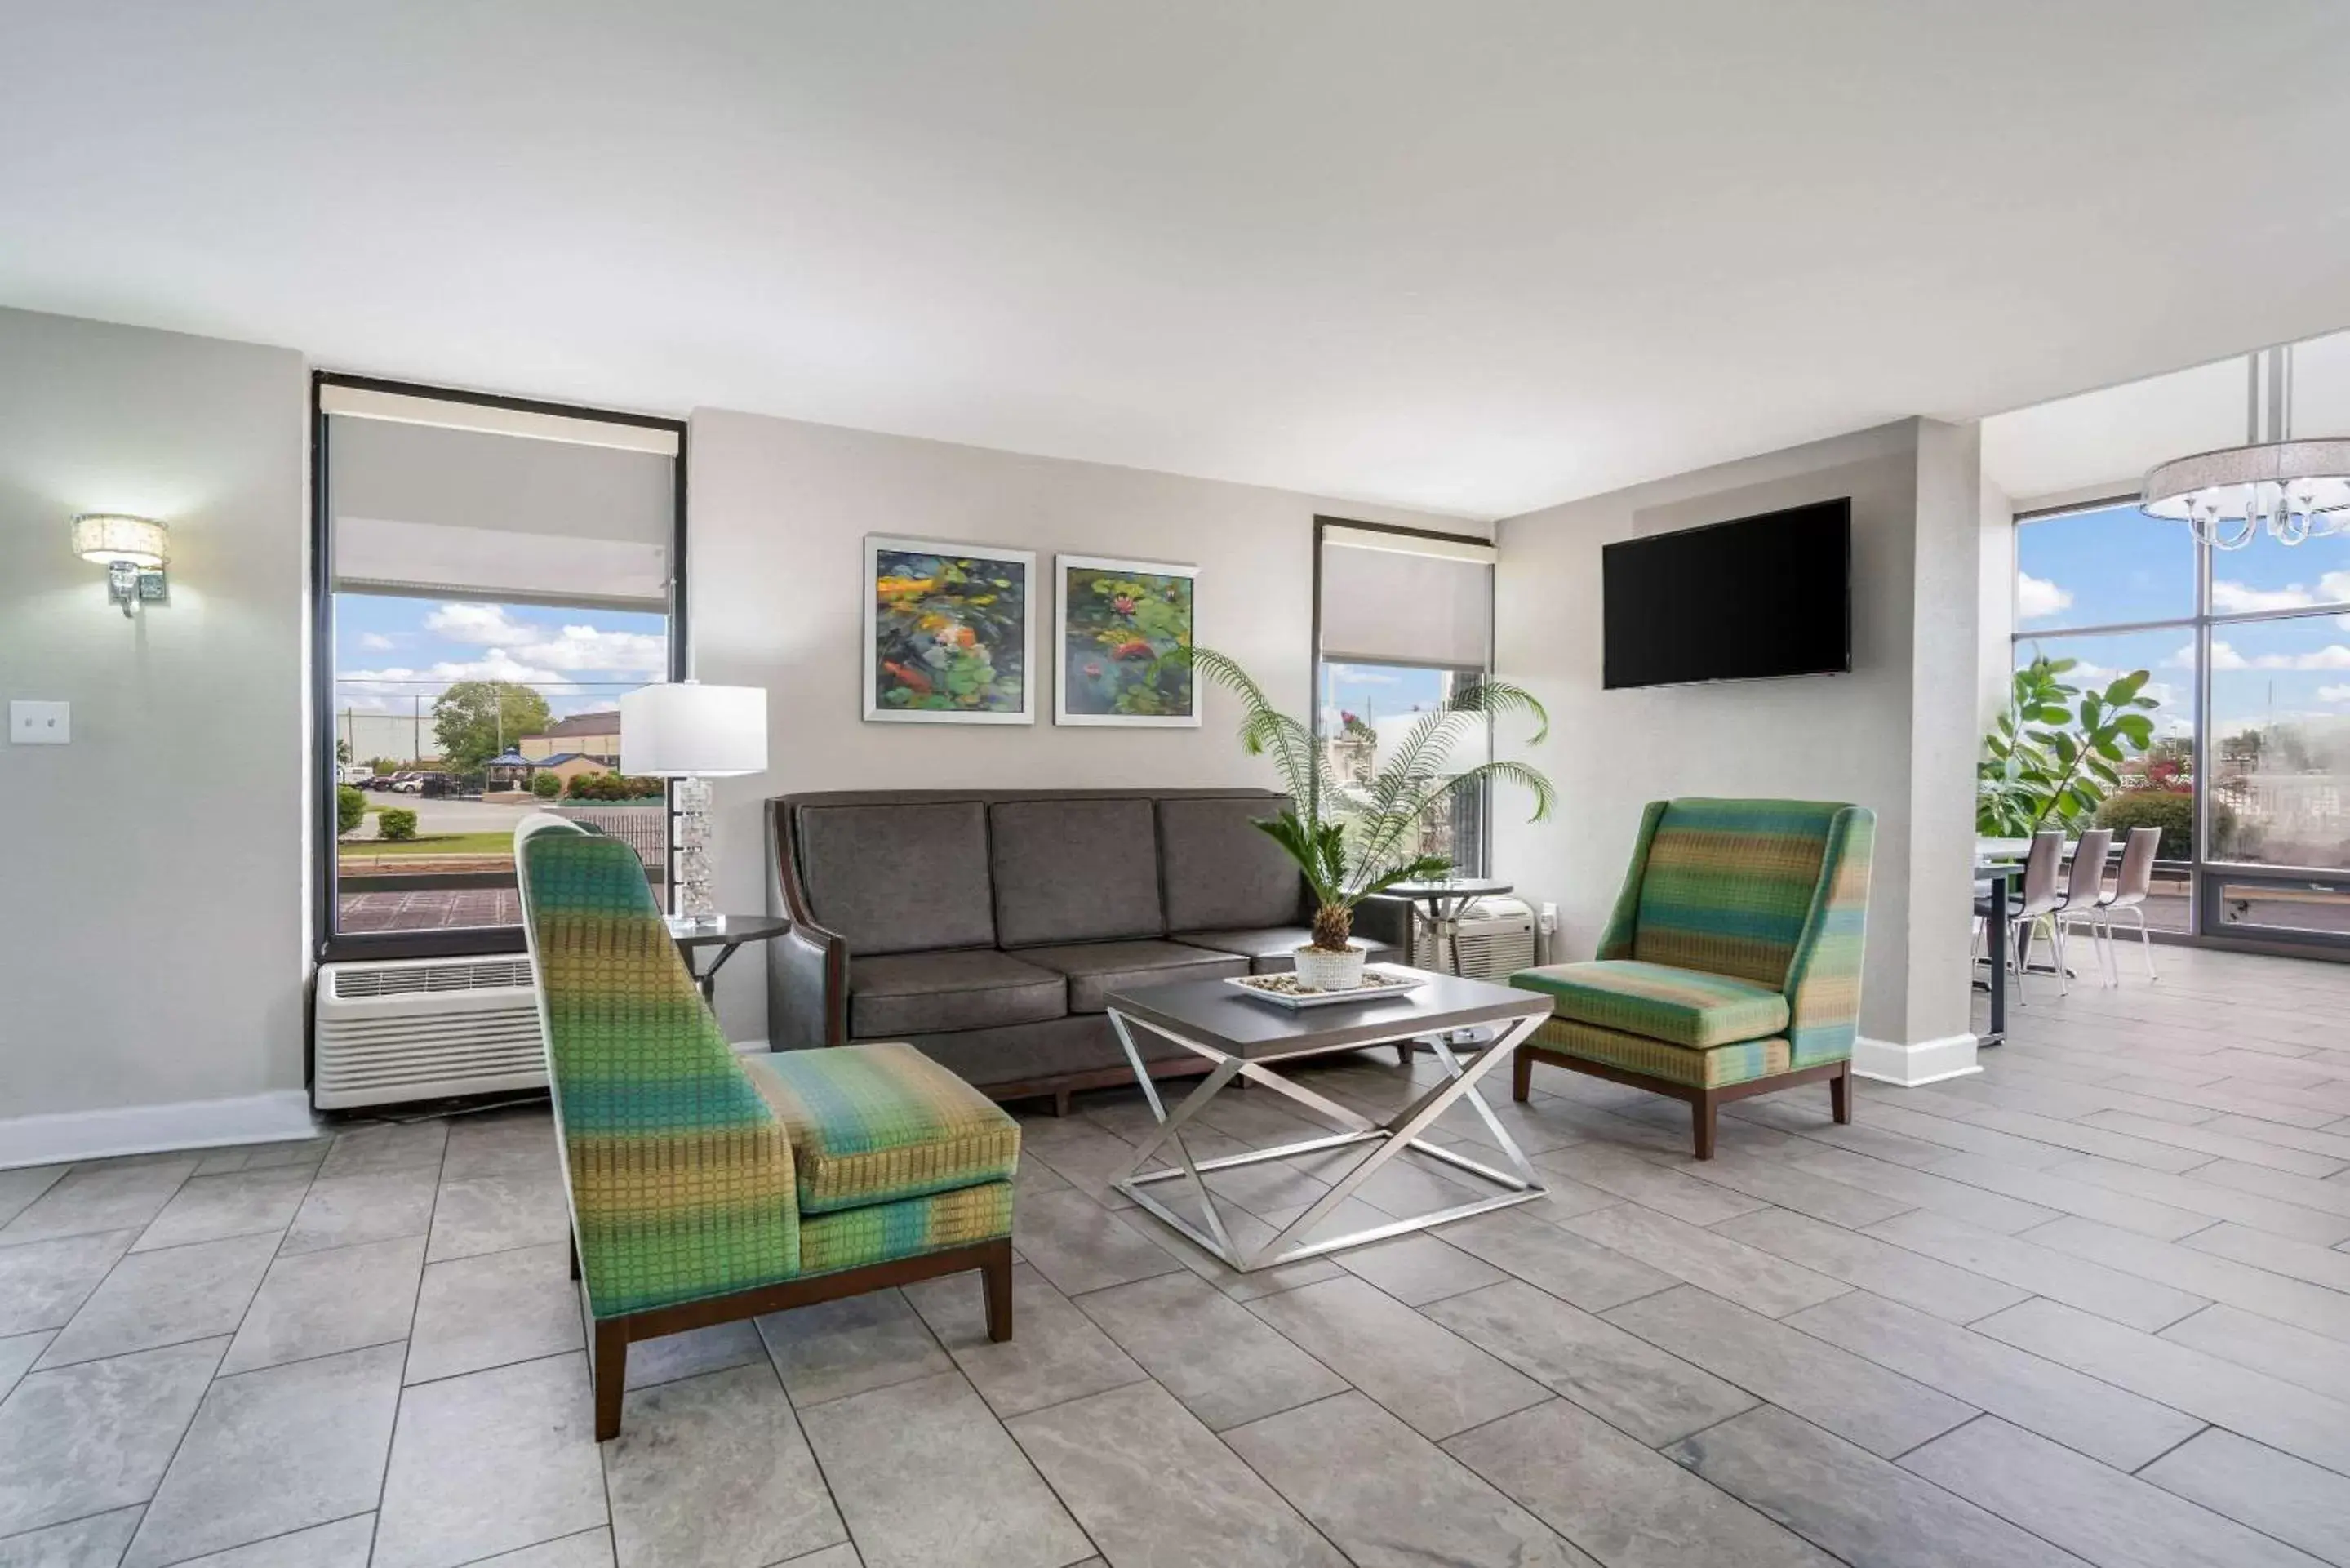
(693, 733)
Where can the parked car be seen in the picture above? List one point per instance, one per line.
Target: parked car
(408, 784)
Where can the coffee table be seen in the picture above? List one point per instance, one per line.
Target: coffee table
(1244, 1037)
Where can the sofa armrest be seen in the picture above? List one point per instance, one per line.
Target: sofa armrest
(1387, 920)
(807, 990)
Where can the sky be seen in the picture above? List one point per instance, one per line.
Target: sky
(389, 650)
(2101, 569)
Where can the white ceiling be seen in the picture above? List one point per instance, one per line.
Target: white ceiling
(1477, 256)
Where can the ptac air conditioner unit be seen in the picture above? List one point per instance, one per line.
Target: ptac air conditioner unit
(422, 1029)
(1497, 939)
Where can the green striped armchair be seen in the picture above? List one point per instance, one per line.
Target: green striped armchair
(1730, 966)
(705, 1186)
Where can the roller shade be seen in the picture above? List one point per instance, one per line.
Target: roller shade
(1404, 599)
(497, 504)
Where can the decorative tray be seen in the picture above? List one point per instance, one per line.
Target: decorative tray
(1380, 982)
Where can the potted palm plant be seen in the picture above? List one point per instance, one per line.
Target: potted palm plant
(1355, 837)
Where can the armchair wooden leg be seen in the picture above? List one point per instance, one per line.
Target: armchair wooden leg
(1521, 1074)
(1060, 1102)
(611, 1374)
(573, 1238)
(1403, 1053)
(1840, 1094)
(997, 1273)
(1701, 1123)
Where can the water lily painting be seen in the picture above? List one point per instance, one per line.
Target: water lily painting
(948, 635)
(1118, 622)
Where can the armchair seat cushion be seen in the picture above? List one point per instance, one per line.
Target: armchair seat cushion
(1713, 1068)
(897, 994)
(872, 1124)
(1683, 1007)
(1097, 969)
(883, 1232)
(1273, 949)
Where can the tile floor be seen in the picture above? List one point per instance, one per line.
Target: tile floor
(2090, 1306)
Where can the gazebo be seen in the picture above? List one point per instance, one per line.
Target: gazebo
(509, 770)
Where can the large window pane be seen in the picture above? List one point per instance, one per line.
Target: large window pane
(2281, 741)
(2111, 567)
(2265, 578)
(1367, 708)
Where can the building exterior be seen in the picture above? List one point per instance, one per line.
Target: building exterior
(595, 735)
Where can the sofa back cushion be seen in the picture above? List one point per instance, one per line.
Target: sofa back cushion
(1220, 872)
(1728, 885)
(898, 877)
(1074, 870)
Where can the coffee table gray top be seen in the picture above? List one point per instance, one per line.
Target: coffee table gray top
(1217, 1016)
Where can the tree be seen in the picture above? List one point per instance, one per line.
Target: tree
(342, 751)
(477, 720)
(2052, 758)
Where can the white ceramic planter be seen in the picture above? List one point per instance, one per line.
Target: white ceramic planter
(1326, 970)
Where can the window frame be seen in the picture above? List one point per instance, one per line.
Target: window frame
(328, 945)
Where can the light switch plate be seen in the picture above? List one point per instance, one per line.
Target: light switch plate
(40, 723)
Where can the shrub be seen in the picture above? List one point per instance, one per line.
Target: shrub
(614, 787)
(546, 786)
(350, 808)
(396, 823)
(2172, 813)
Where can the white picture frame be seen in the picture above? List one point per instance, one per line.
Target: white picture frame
(1069, 675)
(935, 666)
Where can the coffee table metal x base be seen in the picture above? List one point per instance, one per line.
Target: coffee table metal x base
(1387, 1139)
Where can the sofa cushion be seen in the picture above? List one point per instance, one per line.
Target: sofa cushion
(1097, 969)
(893, 879)
(1074, 870)
(1273, 949)
(1222, 873)
(897, 994)
(877, 1124)
(1712, 1068)
(1680, 1006)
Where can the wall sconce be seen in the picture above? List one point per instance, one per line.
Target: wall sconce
(133, 550)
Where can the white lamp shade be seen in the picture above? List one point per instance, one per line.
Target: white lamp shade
(689, 729)
(103, 538)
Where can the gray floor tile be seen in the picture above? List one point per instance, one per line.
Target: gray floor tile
(834, 1349)
(1613, 1169)
(2096, 1512)
(94, 1542)
(98, 1434)
(712, 1472)
(927, 1478)
(504, 1143)
(2296, 1354)
(1776, 1180)
(588, 1548)
(1910, 1183)
(1418, 1268)
(1568, 1266)
(2295, 1501)
(44, 1284)
(370, 1206)
(1210, 1352)
(1387, 1497)
(846, 1557)
(2306, 1260)
(1249, 1233)
(165, 1298)
(488, 1462)
(2195, 1144)
(1893, 1272)
(274, 1452)
(1964, 1136)
(1653, 1394)
(2052, 1190)
(20, 1187)
(2198, 1196)
(1882, 1411)
(1850, 1502)
(17, 1354)
(103, 1197)
(342, 1544)
(2099, 1419)
(1435, 1381)
(1150, 1484)
(2275, 1411)
(319, 1302)
(386, 1146)
(2207, 1275)
(477, 1214)
(2092, 1134)
(697, 1351)
(1077, 1151)
(2027, 1265)
(1056, 1353)
(2331, 1196)
(1753, 1278)
(208, 1208)
(309, 1151)
(473, 1312)
(1619, 1500)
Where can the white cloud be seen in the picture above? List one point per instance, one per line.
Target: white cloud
(2037, 596)
(2333, 656)
(487, 626)
(2185, 657)
(377, 643)
(585, 648)
(2333, 694)
(2222, 656)
(497, 665)
(2237, 598)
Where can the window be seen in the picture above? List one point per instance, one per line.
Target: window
(1404, 619)
(492, 575)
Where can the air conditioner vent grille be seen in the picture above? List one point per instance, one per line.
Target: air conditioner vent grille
(353, 981)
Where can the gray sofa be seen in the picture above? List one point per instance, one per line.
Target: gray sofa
(987, 925)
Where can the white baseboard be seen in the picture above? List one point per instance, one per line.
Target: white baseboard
(280, 1117)
(746, 1047)
(1913, 1066)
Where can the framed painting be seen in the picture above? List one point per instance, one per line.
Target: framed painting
(1115, 624)
(949, 634)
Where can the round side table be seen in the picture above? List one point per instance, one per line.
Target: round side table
(723, 932)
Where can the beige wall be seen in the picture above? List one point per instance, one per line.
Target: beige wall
(779, 514)
(1861, 737)
(152, 910)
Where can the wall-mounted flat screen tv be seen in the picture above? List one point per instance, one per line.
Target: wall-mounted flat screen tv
(1743, 600)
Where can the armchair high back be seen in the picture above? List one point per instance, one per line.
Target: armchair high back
(1731, 965)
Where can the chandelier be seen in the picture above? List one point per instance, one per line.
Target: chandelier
(2297, 489)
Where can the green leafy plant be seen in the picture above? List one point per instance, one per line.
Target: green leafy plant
(1354, 840)
(614, 788)
(2173, 811)
(396, 823)
(546, 786)
(350, 809)
(2058, 751)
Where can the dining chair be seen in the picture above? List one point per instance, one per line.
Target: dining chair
(2083, 905)
(2129, 893)
(2041, 898)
